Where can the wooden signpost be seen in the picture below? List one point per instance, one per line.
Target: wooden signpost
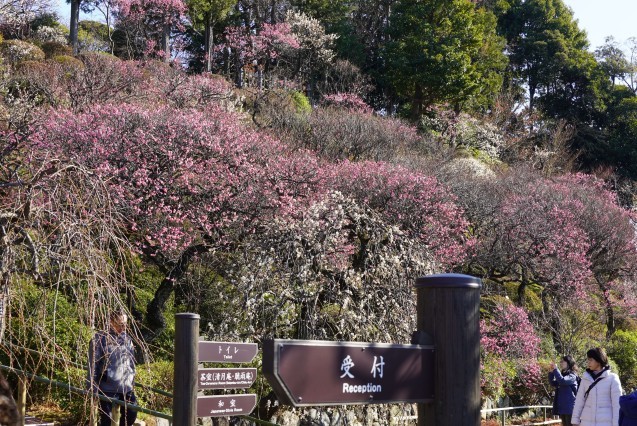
(440, 372)
(189, 351)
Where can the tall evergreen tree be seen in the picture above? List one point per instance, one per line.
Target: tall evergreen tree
(206, 14)
(443, 51)
(543, 37)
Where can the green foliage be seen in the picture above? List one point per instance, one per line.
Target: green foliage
(444, 52)
(623, 135)
(301, 102)
(208, 12)
(332, 13)
(549, 56)
(156, 375)
(533, 301)
(495, 373)
(45, 20)
(623, 351)
(93, 36)
(52, 49)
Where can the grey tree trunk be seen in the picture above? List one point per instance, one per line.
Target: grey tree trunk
(75, 19)
(209, 36)
(165, 43)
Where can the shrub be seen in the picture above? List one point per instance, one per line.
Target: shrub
(47, 34)
(171, 85)
(623, 350)
(353, 135)
(103, 78)
(52, 49)
(349, 101)
(301, 102)
(156, 375)
(16, 51)
(68, 62)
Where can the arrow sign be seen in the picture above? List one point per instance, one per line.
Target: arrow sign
(226, 351)
(311, 372)
(226, 405)
(226, 378)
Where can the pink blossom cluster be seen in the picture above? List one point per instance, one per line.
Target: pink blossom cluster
(419, 204)
(508, 333)
(541, 232)
(350, 101)
(266, 44)
(183, 177)
(160, 12)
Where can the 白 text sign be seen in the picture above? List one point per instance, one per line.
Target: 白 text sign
(226, 405)
(226, 378)
(226, 351)
(311, 372)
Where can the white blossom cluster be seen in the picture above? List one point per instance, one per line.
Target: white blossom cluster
(483, 136)
(339, 271)
(312, 36)
(18, 13)
(49, 34)
(16, 51)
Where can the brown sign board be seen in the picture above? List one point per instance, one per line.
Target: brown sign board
(226, 351)
(226, 378)
(226, 405)
(314, 373)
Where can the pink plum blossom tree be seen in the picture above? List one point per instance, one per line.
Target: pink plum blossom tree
(188, 182)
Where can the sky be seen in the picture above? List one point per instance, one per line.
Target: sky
(600, 18)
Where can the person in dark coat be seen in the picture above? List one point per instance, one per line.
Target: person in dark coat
(111, 369)
(565, 382)
(628, 409)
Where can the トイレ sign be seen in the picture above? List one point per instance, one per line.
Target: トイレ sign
(226, 405)
(226, 378)
(310, 372)
(226, 351)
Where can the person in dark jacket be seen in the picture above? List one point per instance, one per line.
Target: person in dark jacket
(628, 409)
(565, 382)
(111, 369)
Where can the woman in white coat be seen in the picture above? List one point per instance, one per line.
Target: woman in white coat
(597, 401)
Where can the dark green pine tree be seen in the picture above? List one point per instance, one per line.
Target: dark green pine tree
(443, 51)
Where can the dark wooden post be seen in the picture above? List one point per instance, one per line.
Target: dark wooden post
(448, 311)
(185, 358)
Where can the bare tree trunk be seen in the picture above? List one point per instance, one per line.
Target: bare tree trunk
(155, 320)
(111, 44)
(165, 43)
(238, 77)
(75, 20)
(209, 42)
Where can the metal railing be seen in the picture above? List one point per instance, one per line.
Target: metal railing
(503, 412)
(70, 388)
(77, 390)
(82, 367)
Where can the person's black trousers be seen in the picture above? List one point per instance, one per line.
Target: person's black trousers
(127, 416)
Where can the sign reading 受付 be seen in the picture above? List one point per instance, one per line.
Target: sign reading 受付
(306, 372)
(226, 378)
